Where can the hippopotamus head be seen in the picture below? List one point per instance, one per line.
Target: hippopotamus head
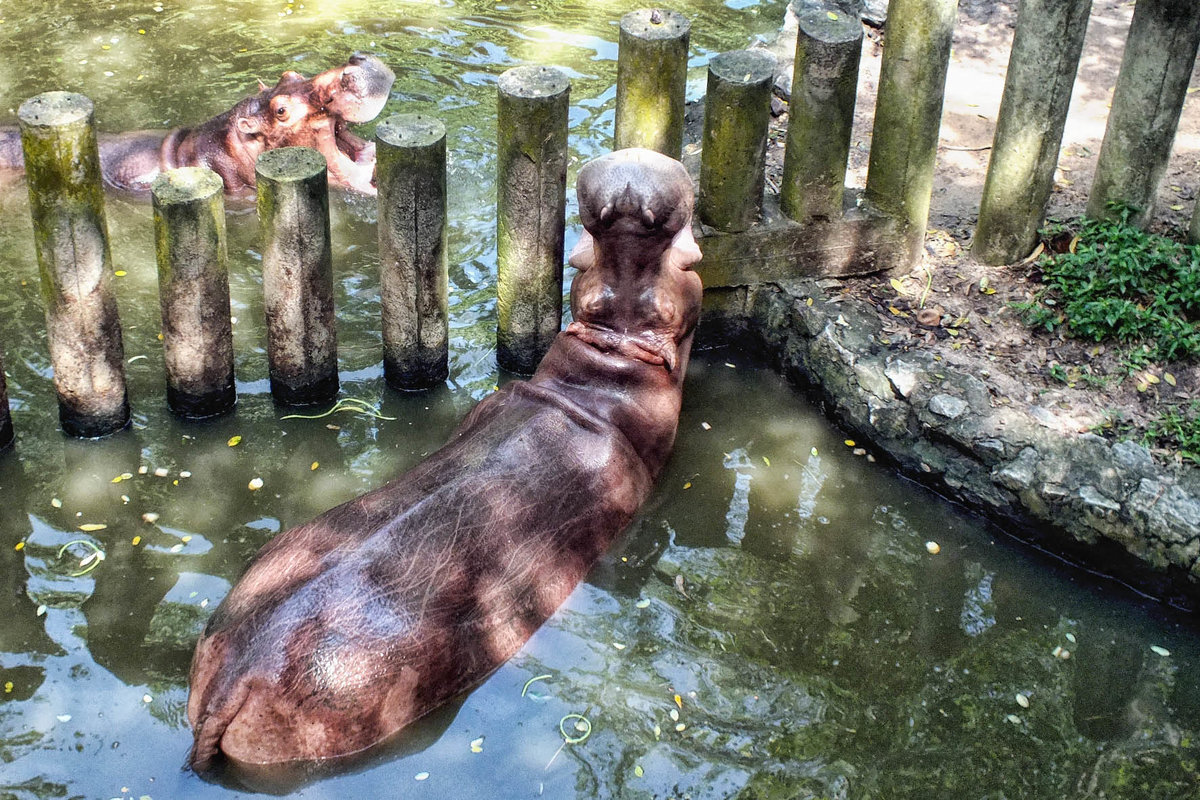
(635, 295)
(314, 112)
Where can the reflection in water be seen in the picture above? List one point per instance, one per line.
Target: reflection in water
(785, 596)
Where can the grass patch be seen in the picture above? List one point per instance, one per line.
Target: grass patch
(1177, 429)
(1122, 284)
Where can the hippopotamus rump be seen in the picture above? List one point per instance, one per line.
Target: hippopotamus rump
(296, 111)
(349, 627)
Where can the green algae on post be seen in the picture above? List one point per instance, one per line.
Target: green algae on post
(1033, 112)
(410, 173)
(652, 80)
(66, 199)
(193, 281)
(737, 113)
(821, 115)
(531, 203)
(293, 214)
(1146, 105)
(908, 114)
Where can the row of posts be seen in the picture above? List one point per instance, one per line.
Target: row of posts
(67, 198)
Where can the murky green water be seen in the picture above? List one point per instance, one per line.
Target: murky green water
(774, 626)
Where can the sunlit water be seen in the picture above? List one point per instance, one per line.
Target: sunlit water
(775, 624)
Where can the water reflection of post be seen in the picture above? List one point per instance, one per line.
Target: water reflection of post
(22, 631)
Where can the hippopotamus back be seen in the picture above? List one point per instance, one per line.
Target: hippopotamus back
(349, 627)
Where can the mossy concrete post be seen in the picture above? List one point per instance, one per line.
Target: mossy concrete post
(908, 114)
(821, 114)
(652, 61)
(1147, 101)
(6, 426)
(193, 290)
(531, 199)
(1033, 111)
(297, 265)
(737, 113)
(66, 199)
(410, 172)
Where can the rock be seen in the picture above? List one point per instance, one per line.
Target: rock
(1097, 502)
(948, 406)
(1019, 474)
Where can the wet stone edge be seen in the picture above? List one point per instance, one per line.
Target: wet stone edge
(1108, 506)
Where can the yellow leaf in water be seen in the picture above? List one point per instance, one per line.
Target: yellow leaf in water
(1177, 207)
(638, 771)
(849, 443)
(832, 15)
(136, 541)
(255, 484)
(315, 464)
(687, 485)
(19, 546)
(477, 745)
(120, 273)
(1160, 651)
(766, 461)
(234, 441)
(678, 702)
(88, 527)
(808, 301)
(1022, 700)
(117, 479)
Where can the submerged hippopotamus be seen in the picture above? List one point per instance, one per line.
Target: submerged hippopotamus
(297, 111)
(349, 627)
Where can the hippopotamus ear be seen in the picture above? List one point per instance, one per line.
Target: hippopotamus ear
(684, 252)
(583, 256)
(249, 125)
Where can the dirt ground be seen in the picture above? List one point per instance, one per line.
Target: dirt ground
(979, 331)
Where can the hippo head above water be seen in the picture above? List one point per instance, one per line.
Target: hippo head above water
(295, 112)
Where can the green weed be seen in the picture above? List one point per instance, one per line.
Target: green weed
(1178, 429)
(1123, 284)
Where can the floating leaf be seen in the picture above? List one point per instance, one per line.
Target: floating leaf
(766, 461)
(1159, 651)
(314, 466)
(255, 484)
(1071, 638)
(813, 451)
(477, 745)
(618, 645)
(687, 485)
(643, 603)
(54, 501)
(421, 776)
(832, 15)
(150, 517)
(678, 702)
(89, 527)
(849, 443)
(234, 441)
(135, 541)
(1014, 719)
(706, 426)
(933, 547)
(638, 771)
(1022, 700)
(680, 727)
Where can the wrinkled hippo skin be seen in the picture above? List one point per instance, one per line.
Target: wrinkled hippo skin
(349, 627)
(295, 112)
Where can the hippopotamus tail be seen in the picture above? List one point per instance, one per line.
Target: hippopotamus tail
(11, 156)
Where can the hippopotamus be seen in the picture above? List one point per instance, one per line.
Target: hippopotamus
(296, 111)
(347, 628)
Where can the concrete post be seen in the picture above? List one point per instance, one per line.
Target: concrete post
(293, 213)
(193, 285)
(1033, 112)
(410, 172)
(531, 195)
(1147, 101)
(66, 198)
(652, 57)
(737, 114)
(908, 113)
(821, 115)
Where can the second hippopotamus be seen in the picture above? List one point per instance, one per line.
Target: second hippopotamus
(347, 628)
(296, 111)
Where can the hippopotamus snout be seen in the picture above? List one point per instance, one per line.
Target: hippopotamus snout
(362, 88)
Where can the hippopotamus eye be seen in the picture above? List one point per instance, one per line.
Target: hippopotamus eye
(281, 112)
